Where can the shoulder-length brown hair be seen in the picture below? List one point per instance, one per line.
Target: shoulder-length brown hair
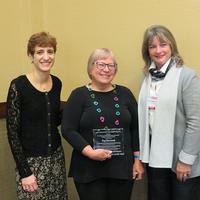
(164, 35)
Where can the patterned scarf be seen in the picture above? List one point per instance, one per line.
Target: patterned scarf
(158, 75)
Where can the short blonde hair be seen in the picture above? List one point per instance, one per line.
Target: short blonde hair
(97, 54)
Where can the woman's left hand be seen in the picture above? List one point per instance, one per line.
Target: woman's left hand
(138, 169)
(183, 171)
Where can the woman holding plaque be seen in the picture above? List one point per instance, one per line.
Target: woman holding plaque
(100, 122)
(169, 119)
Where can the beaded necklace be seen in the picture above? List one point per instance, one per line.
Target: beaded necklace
(98, 109)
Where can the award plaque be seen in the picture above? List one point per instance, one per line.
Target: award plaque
(109, 138)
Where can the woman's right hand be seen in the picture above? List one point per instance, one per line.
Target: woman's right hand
(29, 183)
(96, 154)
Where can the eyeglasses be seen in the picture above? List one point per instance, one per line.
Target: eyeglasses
(102, 65)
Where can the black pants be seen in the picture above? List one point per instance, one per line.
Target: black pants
(163, 185)
(105, 189)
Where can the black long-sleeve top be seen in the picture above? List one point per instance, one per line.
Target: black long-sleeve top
(32, 120)
(80, 118)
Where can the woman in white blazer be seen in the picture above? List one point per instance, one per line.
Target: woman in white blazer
(169, 119)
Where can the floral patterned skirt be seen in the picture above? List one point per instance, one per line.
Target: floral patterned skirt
(51, 178)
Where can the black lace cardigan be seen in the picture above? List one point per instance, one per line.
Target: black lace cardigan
(32, 120)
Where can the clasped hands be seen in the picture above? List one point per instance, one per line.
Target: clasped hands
(29, 183)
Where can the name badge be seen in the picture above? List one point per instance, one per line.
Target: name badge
(152, 102)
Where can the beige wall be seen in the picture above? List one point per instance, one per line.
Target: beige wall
(80, 27)
(7, 177)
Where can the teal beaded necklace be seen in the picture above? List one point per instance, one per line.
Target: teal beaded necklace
(98, 109)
